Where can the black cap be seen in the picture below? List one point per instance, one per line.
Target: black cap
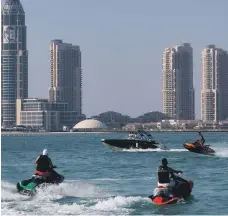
(164, 162)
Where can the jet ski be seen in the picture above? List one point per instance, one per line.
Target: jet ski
(197, 148)
(28, 187)
(164, 195)
(136, 140)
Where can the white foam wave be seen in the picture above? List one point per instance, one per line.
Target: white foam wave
(117, 202)
(77, 189)
(221, 152)
(46, 202)
(155, 150)
(9, 193)
(122, 179)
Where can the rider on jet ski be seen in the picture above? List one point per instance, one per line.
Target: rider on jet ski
(164, 174)
(44, 165)
(202, 140)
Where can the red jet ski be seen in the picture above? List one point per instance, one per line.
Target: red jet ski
(197, 148)
(165, 195)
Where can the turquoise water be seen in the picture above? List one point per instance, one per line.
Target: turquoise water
(102, 182)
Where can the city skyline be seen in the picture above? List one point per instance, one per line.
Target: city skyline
(141, 73)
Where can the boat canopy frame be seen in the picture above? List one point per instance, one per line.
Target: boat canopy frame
(144, 135)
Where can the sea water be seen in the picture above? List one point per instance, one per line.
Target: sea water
(101, 182)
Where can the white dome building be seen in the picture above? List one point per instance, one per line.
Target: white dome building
(90, 125)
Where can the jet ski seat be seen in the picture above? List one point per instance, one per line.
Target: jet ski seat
(26, 182)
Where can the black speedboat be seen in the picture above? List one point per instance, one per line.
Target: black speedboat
(136, 140)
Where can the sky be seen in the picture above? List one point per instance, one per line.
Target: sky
(121, 43)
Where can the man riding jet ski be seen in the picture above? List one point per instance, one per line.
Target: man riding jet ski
(201, 141)
(45, 167)
(171, 188)
(44, 173)
(199, 146)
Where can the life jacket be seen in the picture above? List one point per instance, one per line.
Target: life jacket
(43, 164)
(163, 175)
(45, 174)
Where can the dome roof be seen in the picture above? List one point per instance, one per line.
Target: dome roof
(90, 124)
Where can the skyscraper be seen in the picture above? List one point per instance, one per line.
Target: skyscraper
(214, 92)
(14, 61)
(66, 75)
(177, 82)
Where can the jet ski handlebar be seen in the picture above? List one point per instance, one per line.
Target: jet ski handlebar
(179, 174)
(176, 175)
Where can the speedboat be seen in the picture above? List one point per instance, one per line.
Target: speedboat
(28, 187)
(136, 140)
(164, 195)
(197, 148)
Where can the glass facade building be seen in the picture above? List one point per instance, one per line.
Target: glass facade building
(40, 114)
(66, 75)
(14, 61)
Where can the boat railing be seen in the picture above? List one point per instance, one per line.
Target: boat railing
(147, 135)
(141, 135)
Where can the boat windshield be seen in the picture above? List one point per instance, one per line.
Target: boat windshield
(140, 135)
(131, 136)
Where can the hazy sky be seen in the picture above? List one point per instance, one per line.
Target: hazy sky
(122, 43)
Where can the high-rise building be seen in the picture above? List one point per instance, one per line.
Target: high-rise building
(177, 82)
(66, 75)
(214, 92)
(14, 61)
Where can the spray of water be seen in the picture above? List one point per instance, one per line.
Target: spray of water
(84, 199)
(221, 152)
(154, 150)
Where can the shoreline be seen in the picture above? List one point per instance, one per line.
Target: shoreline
(103, 132)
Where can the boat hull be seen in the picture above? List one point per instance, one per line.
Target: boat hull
(130, 144)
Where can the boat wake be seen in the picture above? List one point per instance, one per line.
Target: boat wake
(221, 152)
(155, 150)
(72, 197)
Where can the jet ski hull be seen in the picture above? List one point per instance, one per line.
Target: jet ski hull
(130, 144)
(28, 187)
(198, 149)
(163, 196)
(161, 200)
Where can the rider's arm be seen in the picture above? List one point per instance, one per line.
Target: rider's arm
(50, 163)
(174, 171)
(37, 159)
(203, 140)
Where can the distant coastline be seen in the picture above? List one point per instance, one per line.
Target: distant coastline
(107, 131)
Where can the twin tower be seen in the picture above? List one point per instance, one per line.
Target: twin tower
(178, 94)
